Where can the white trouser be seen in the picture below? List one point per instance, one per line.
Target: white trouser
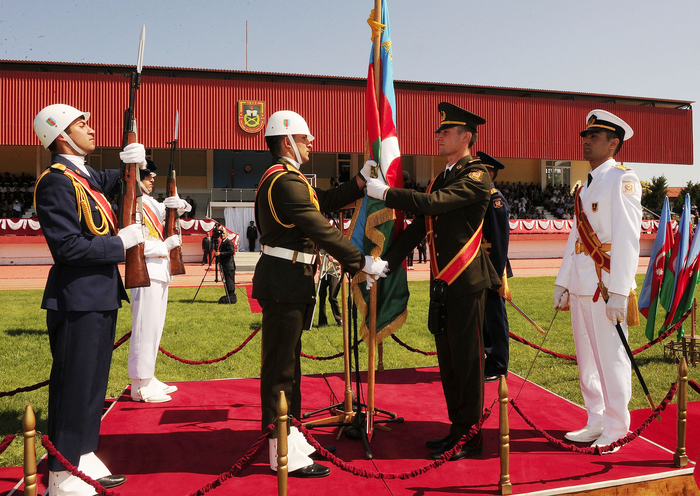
(603, 366)
(298, 451)
(64, 484)
(148, 307)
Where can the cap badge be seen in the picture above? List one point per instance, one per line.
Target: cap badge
(51, 122)
(442, 116)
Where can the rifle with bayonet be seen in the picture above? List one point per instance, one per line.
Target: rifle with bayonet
(136, 272)
(172, 219)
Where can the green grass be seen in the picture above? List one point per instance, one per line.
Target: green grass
(206, 330)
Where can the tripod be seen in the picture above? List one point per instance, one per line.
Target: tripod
(217, 268)
(202, 282)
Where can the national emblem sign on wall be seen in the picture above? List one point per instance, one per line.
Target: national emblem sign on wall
(251, 115)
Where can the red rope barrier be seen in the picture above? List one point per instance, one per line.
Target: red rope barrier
(372, 474)
(236, 467)
(6, 442)
(337, 355)
(414, 350)
(36, 386)
(215, 360)
(598, 450)
(663, 336)
(694, 385)
(122, 340)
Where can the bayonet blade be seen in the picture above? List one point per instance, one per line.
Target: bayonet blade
(142, 44)
(177, 124)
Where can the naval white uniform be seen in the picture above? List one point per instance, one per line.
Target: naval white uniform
(149, 304)
(612, 203)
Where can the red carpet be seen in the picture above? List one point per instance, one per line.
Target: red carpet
(254, 305)
(177, 447)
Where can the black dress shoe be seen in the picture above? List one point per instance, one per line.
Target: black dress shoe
(466, 452)
(110, 481)
(438, 443)
(318, 456)
(312, 471)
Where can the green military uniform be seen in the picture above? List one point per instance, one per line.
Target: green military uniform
(457, 202)
(287, 218)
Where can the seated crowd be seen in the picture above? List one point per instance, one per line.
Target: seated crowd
(16, 195)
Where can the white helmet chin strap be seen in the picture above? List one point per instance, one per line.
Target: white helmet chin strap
(296, 150)
(72, 144)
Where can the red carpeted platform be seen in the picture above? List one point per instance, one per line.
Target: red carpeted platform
(176, 448)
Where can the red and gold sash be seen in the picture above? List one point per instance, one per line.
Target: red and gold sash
(461, 260)
(153, 222)
(589, 239)
(82, 188)
(284, 169)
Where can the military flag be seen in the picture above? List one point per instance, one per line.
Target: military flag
(374, 226)
(686, 280)
(679, 255)
(660, 254)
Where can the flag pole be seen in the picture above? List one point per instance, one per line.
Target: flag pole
(372, 338)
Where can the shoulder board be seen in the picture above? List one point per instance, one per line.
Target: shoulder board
(623, 167)
(494, 191)
(474, 161)
(58, 168)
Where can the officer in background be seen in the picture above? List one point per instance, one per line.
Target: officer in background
(450, 213)
(224, 256)
(496, 234)
(608, 216)
(252, 234)
(288, 215)
(83, 291)
(329, 286)
(207, 249)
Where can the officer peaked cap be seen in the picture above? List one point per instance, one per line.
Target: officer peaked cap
(597, 120)
(150, 169)
(452, 115)
(490, 162)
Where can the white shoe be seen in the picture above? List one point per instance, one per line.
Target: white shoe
(605, 441)
(167, 388)
(148, 391)
(64, 484)
(586, 435)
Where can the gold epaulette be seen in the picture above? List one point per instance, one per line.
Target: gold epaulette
(494, 191)
(623, 167)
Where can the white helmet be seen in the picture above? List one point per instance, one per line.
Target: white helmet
(288, 123)
(53, 120)
(285, 123)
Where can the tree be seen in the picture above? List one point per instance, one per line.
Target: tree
(653, 193)
(693, 189)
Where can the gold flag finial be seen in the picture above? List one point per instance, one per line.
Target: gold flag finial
(377, 27)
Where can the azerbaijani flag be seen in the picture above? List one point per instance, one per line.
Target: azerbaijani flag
(374, 226)
(686, 280)
(679, 255)
(660, 253)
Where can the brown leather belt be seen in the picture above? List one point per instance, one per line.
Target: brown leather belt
(580, 248)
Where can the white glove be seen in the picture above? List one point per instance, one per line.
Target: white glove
(172, 242)
(369, 280)
(376, 188)
(131, 236)
(377, 267)
(366, 171)
(561, 297)
(616, 308)
(134, 153)
(176, 202)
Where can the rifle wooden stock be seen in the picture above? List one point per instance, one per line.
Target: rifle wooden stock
(172, 227)
(136, 272)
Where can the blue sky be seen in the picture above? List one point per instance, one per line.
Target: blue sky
(628, 47)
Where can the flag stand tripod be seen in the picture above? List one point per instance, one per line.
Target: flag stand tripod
(352, 413)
